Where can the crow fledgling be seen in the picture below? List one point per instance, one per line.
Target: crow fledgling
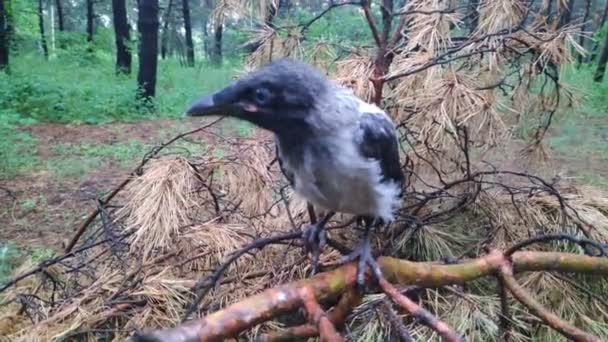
(339, 152)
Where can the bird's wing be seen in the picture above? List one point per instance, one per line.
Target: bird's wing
(377, 139)
(288, 174)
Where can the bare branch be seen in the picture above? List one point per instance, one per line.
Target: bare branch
(423, 315)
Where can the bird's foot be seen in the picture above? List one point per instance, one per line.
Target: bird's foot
(363, 253)
(314, 238)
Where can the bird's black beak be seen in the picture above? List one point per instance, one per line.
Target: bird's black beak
(223, 102)
(210, 105)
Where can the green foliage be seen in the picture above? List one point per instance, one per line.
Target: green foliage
(595, 101)
(25, 20)
(178, 86)
(350, 31)
(62, 91)
(119, 152)
(9, 259)
(17, 147)
(11, 256)
(78, 87)
(581, 134)
(78, 160)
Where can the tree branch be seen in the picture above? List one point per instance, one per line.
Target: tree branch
(371, 22)
(264, 306)
(419, 312)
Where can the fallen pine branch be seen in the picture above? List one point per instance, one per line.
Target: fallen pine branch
(264, 306)
(137, 171)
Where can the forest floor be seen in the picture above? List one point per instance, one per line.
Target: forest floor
(41, 206)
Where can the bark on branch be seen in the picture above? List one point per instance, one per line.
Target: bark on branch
(326, 286)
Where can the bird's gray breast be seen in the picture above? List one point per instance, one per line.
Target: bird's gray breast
(330, 172)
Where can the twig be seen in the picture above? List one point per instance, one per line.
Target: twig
(371, 22)
(151, 154)
(337, 316)
(9, 193)
(396, 322)
(419, 312)
(563, 327)
(504, 332)
(204, 285)
(584, 243)
(43, 265)
(318, 317)
(333, 5)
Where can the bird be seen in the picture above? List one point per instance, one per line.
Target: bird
(337, 151)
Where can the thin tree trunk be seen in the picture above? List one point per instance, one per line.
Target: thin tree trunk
(205, 22)
(52, 26)
(473, 15)
(217, 43)
(546, 9)
(45, 48)
(4, 37)
(165, 34)
(565, 14)
(147, 25)
(581, 38)
(601, 64)
(604, 16)
(188, 29)
(90, 20)
(121, 30)
(600, 25)
(59, 9)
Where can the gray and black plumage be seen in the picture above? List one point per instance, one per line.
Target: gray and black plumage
(337, 151)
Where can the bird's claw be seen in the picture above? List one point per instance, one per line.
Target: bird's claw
(363, 254)
(314, 239)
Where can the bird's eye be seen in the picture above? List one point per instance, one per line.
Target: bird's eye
(262, 96)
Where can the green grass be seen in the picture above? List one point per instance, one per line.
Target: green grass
(11, 256)
(120, 152)
(78, 160)
(9, 259)
(581, 132)
(78, 90)
(17, 148)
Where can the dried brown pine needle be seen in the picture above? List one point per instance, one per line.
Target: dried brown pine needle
(158, 204)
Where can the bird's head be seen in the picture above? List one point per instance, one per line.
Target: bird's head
(278, 96)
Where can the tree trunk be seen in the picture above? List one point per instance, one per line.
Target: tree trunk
(601, 64)
(205, 22)
(600, 25)
(565, 13)
(59, 8)
(581, 39)
(473, 15)
(45, 48)
(546, 9)
(121, 30)
(147, 25)
(604, 16)
(217, 43)
(90, 20)
(4, 37)
(188, 29)
(165, 34)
